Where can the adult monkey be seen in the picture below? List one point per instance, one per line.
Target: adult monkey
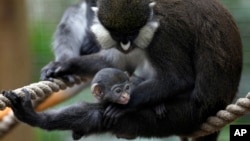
(191, 50)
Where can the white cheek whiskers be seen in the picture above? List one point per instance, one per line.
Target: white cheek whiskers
(102, 35)
(143, 39)
(146, 34)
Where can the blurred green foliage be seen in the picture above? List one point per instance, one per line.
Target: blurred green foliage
(40, 39)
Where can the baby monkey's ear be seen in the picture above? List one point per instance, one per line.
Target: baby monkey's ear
(97, 91)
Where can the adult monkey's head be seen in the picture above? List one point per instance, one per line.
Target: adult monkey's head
(123, 21)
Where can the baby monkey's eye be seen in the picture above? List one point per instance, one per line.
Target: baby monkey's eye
(127, 87)
(118, 90)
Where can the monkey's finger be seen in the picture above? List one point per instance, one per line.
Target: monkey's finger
(162, 115)
(27, 98)
(49, 73)
(108, 115)
(158, 112)
(68, 79)
(107, 122)
(110, 112)
(58, 70)
(14, 99)
(5, 93)
(107, 110)
(113, 119)
(162, 111)
(62, 71)
(43, 76)
(71, 79)
(45, 73)
(115, 114)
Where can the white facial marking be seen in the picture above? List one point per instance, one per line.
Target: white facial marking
(152, 4)
(146, 34)
(125, 46)
(95, 9)
(102, 34)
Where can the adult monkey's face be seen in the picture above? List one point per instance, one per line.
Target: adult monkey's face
(122, 21)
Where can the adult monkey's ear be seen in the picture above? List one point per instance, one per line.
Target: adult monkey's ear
(97, 91)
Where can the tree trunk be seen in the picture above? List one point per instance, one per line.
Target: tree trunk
(15, 62)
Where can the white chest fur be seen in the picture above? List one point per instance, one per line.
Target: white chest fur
(136, 59)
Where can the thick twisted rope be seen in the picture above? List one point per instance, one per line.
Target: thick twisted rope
(224, 117)
(42, 89)
(39, 92)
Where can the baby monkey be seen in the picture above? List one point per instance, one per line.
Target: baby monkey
(112, 85)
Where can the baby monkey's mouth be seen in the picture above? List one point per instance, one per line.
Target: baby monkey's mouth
(124, 99)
